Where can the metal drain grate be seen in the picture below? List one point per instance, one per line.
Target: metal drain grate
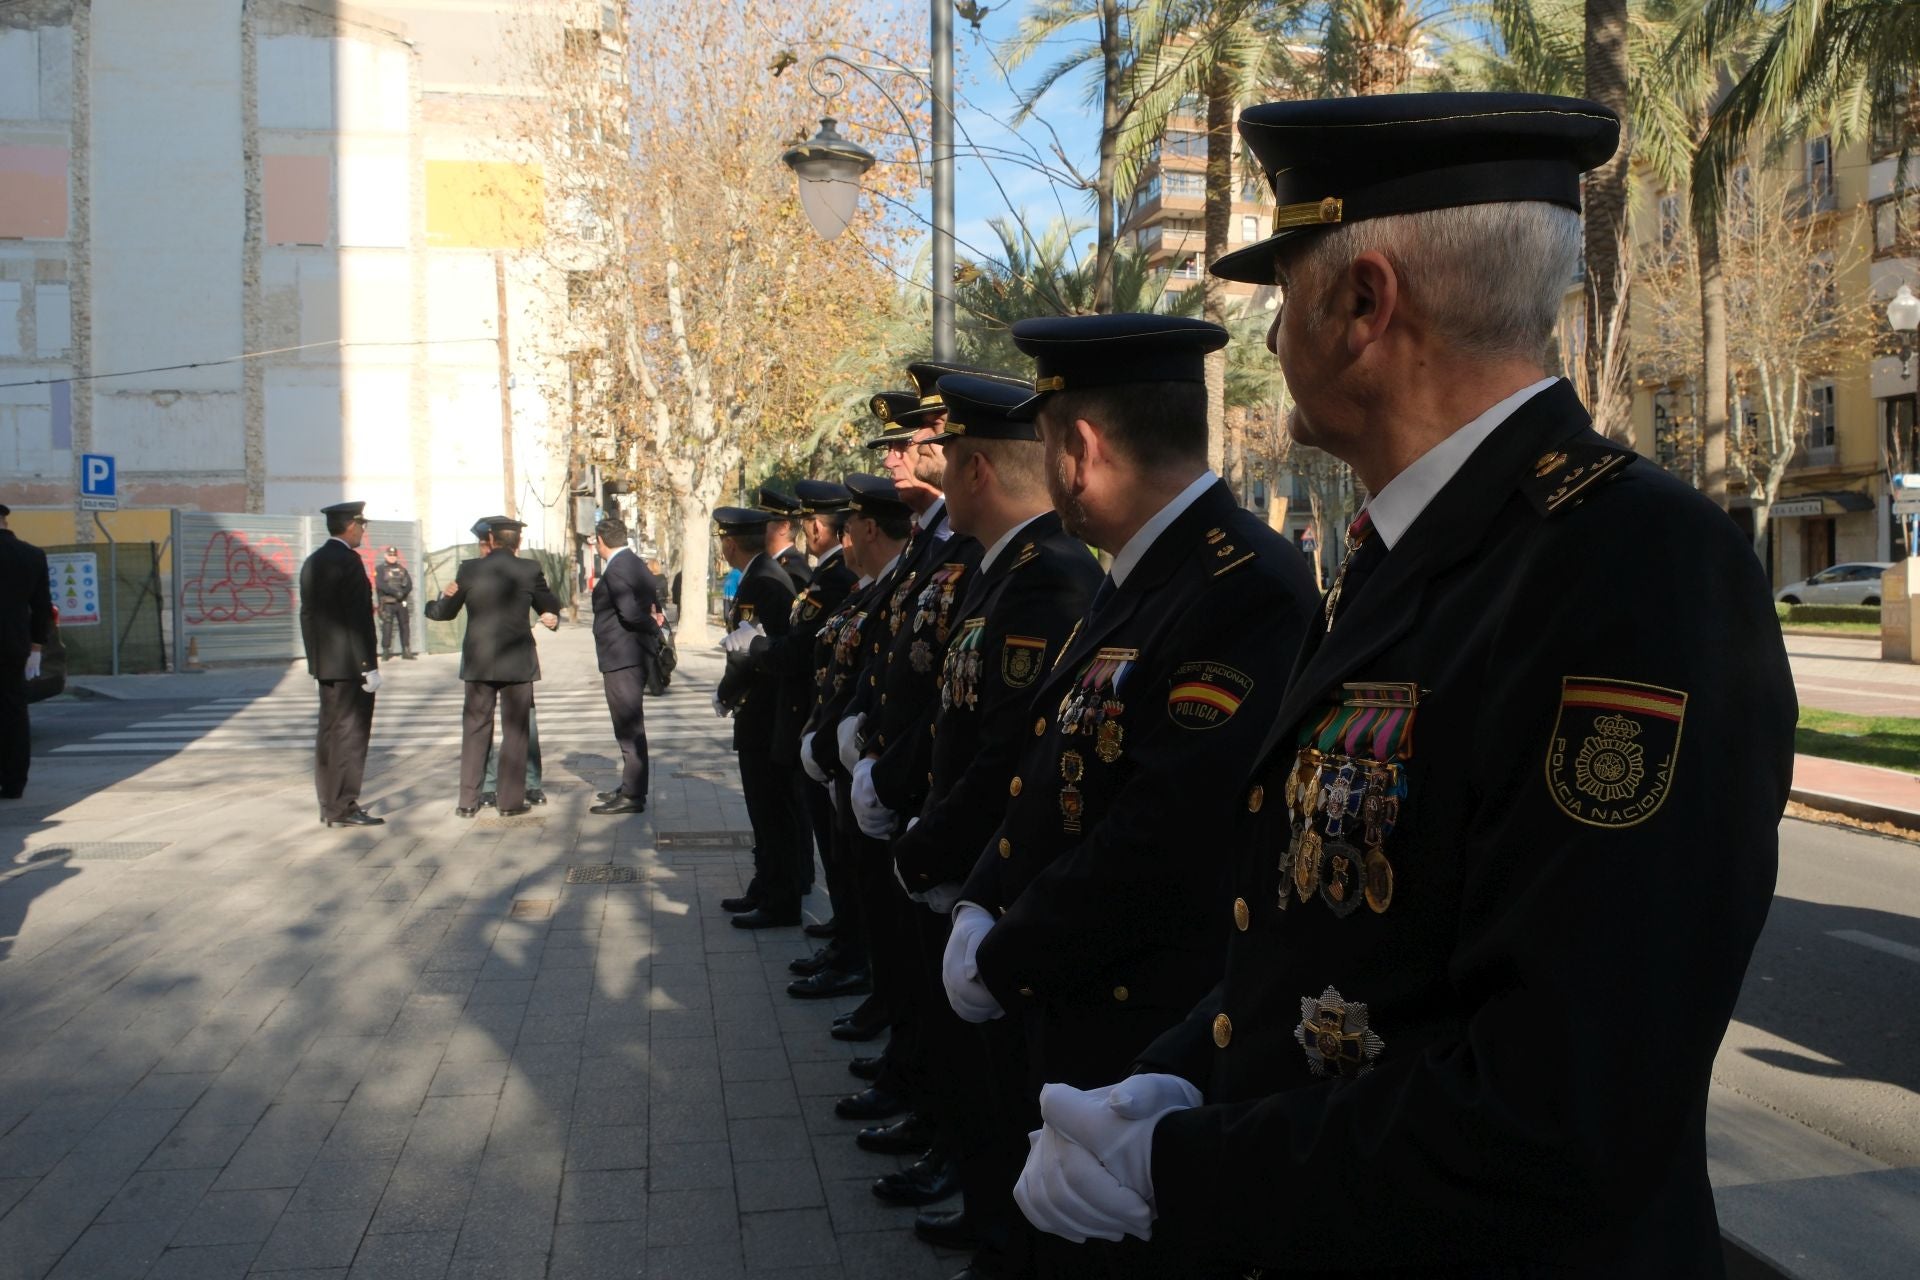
(705, 840)
(531, 909)
(602, 873)
(96, 851)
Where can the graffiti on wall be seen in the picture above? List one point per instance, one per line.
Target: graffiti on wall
(235, 578)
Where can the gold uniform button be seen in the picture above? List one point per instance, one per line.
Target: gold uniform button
(1242, 914)
(889, 659)
(1256, 798)
(1013, 788)
(1120, 994)
(930, 731)
(1006, 847)
(1039, 726)
(1222, 1030)
(1027, 992)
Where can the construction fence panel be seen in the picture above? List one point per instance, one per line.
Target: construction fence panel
(442, 565)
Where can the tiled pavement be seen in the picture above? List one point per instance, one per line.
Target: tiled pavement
(235, 1043)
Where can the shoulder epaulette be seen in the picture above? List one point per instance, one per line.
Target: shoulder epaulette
(1563, 478)
(1227, 554)
(1028, 554)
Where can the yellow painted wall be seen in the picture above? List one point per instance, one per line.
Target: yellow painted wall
(50, 528)
(474, 204)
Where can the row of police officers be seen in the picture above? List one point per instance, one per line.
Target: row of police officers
(1219, 927)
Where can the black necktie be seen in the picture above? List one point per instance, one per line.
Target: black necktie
(1101, 595)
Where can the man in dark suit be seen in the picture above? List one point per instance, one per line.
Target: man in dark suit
(626, 634)
(1491, 907)
(762, 604)
(498, 661)
(783, 511)
(26, 623)
(336, 628)
(490, 784)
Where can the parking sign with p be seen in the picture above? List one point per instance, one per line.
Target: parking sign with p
(97, 490)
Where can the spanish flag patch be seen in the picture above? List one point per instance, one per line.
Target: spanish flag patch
(1205, 695)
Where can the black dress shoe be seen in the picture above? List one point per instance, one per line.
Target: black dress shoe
(928, 1181)
(744, 902)
(488, 799)
(807, 966)
(824, 929)
(859, 1030)
(871, 1103)
(761, 918)
(355, 818)
(601, 797)
(410, 657)
(867, 1069)
(458, 812)
(828, 983)
(946, 1229)
(514, 812)
(618, 805)
(536, 797)
(907, 1136)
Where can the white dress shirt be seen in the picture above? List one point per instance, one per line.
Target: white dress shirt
(1396, 507)
(1138, 545)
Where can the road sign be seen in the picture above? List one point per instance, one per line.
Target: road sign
(96, 475)
(1906, 502)
(99, 504)
(74, 579)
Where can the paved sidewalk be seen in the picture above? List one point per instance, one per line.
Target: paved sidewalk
(1846, 673)
(1859, 790)
(235, 1043)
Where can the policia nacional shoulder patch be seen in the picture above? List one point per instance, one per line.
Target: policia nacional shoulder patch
(1206, 694)
(1615, 743)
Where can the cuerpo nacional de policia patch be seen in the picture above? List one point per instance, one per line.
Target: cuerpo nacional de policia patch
(1615, 743)
(1206, 694)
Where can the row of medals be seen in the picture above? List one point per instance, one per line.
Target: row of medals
(1343, 808)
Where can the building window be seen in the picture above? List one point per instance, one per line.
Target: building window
(1819, 173)
(1820, 417)
(1249, 228)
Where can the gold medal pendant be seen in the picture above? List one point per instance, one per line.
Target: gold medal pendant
(1306, 865)
(1378, 878)
(1107, 741)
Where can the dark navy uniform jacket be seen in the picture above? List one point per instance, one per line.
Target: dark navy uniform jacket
(1009, 629)
(765, 596)
(791, 656)
(500, 593)
(336, 613)
(1109, 869)
(794, 561)
(839, 652)
(1502, 860)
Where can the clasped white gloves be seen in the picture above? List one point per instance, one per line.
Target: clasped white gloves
(844, 735)
(719, 707)
(808, 763)
(741, 637)
(33, 665)
(875, 819)
(1089, 1172)
(370, 681)
(941, 898)
(958, 971)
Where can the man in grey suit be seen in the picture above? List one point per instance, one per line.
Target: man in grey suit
(336, 628)
(498, 661)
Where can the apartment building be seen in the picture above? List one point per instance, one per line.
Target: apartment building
(276, 254)
(1165, 217)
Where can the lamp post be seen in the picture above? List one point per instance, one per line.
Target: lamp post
(829, 166)
(1903, 317)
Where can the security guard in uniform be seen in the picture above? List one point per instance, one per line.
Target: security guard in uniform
(750, 693)
(393, 587)
(336, 630)
(783, 509)
(1492, 906)
(1034, 583)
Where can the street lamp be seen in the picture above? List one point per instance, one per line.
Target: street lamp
(1903, 316)
(828, 167)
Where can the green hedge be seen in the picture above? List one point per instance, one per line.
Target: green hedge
(1790, 613)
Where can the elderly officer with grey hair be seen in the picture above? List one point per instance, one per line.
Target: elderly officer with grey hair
(1492, 906)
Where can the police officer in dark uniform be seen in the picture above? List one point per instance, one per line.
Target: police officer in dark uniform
(783, 510)
(762, 604)
(498, 661)
(26, 623)
(336, 630)
(393, 587)
(1034, 583)
(482, 531)
(1492, 907)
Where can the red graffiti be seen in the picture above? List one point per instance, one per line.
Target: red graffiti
(240, 581)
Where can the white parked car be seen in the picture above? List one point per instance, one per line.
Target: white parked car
(1855, 583)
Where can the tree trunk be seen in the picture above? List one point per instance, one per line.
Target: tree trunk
(1606, 200)
(1218, 222)
(1713, 346)
(696, 565)
(1112, 113)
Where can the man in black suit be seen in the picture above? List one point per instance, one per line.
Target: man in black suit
(783, 510)
(762, 604)
(336, 628)
(498, 661)
(26, 622)
(626, 634)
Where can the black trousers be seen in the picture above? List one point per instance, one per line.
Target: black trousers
(893, 954)
(849, 914)
(340, 746)
(391, 612)
(800, 795)
(476, 741)
(626, 695)
(16, 733)
(776, 838)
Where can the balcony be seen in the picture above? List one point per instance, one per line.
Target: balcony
(1162, 241)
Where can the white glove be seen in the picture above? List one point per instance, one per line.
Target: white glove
(958, 971)
(741, 637)
(874, 818)
(370, 681)
(808, 763)
(1065, 1192)
(1116, 1123)
(844, 734)
(719, 707)
(942, 897)
(33, 665)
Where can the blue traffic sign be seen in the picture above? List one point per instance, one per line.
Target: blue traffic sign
(96, 475)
